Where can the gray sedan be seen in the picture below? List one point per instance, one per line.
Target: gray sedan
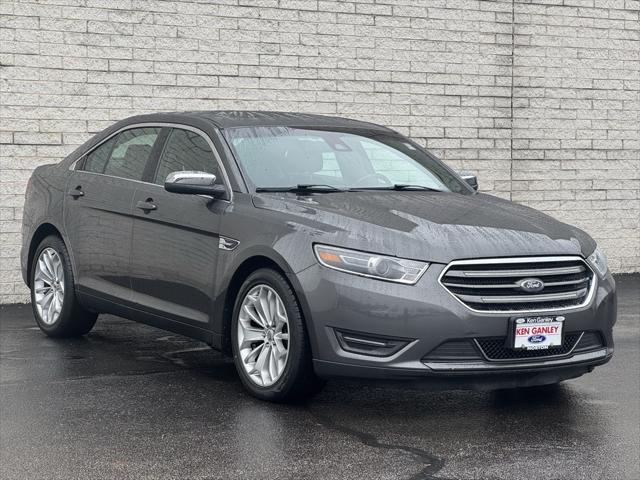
(310, 247)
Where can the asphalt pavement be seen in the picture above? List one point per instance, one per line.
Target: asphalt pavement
(130, 401)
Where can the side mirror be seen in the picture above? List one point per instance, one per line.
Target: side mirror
(471, 179)
(194, 183)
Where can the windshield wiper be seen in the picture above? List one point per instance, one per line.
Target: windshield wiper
(408, 186)
(401, 186)
(302, 187)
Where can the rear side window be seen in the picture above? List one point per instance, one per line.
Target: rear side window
(125, 155)
(186, 151)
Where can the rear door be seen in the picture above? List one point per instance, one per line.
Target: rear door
(97, 211)
(175, 237)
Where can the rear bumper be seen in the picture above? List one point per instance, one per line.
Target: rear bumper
(427, 316)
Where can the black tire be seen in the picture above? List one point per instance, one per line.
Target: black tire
(298, 380)
(73, 320)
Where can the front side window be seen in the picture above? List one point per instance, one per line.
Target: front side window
(281, 157)
(97, 160)
(186, 151)
(125, 155)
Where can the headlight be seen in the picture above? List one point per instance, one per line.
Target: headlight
(598, 261)
(370, 265)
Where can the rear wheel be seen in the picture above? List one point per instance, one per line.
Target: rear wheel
(269, 339)
(53, 297)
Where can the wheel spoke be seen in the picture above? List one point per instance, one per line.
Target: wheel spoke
(45, 304)
(52, 308)
(259, 309)
(59, 299)
(43, 271)
(56, 304)
(47, 299)
(251, 358)
(280, 348)
(251, 335)
(48, 261)
(260, 363)
(59, 272)
(271, 300)
(273, 363)
(264, 307)
(281, 315)
(251, 311)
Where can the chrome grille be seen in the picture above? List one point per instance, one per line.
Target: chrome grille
(498, 285)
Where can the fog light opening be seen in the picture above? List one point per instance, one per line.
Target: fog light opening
(372, 345)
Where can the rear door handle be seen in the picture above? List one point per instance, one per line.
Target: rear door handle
(76, 192)
(146, 206)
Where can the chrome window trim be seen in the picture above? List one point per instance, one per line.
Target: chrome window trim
(131, 126)
(486, 261)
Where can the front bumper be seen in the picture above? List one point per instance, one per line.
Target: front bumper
(427, 316)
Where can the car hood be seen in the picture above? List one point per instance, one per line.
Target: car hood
(434, 226)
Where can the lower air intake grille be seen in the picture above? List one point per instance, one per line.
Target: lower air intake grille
(454, 350)
(520, 284)
(495, 349)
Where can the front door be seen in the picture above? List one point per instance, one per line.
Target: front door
(97, 212)
(175, 237)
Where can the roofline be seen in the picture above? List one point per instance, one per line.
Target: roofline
(306, 119)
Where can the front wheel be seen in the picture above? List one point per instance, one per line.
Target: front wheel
(53, 296)
(270, 345)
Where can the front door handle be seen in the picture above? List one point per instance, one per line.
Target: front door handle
(147, 205)
(76, 192)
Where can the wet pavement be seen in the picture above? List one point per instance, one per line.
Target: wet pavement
(131, 401)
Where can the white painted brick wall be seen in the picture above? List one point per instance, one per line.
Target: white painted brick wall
(540, 97)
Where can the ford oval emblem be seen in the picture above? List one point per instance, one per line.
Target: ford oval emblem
(536, 338)
(531, 285)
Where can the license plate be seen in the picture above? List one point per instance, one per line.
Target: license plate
(537, 333)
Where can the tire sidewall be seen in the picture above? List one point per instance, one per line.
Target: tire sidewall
(56, 244)
(297, 335)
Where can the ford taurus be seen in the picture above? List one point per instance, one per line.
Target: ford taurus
(309, 247)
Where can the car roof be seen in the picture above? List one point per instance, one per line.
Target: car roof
(253, 118)
(229, 119)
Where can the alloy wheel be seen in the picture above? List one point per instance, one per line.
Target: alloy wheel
(263, 335)
(49, 285)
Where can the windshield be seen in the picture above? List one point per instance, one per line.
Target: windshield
(282, 157)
